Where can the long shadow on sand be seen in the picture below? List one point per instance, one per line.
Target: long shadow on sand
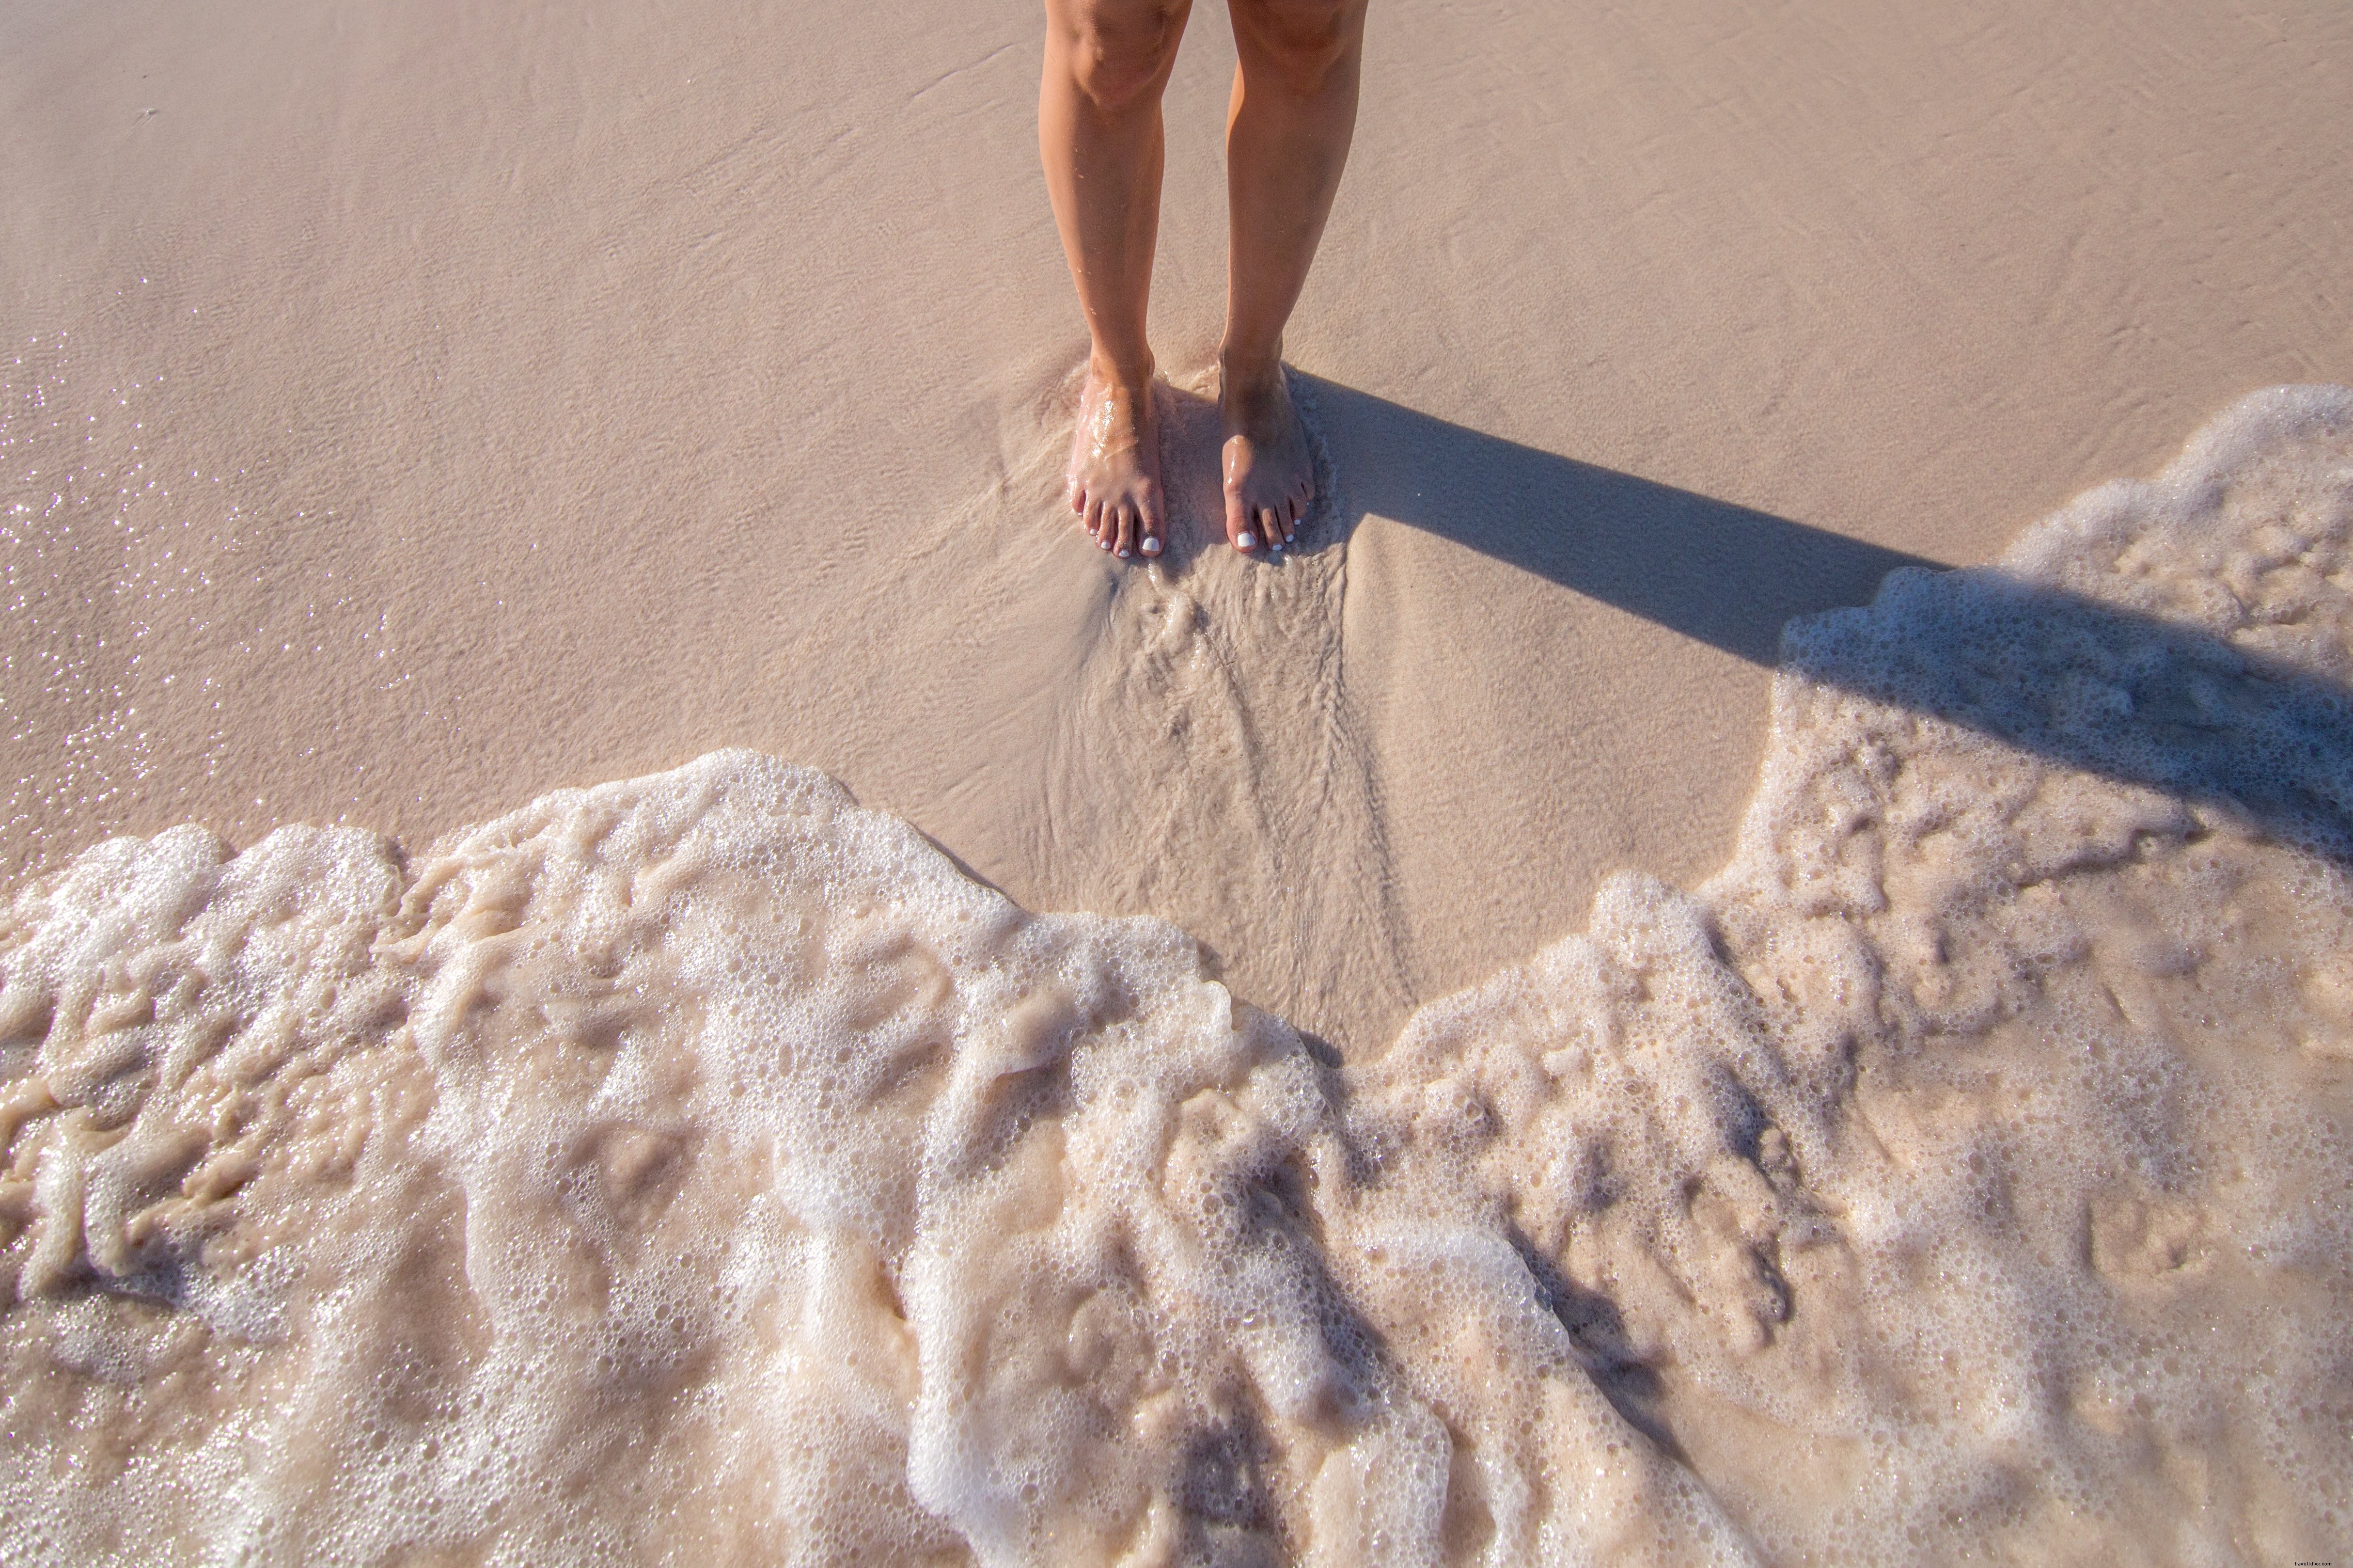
(1719, 573)
(2085, 684)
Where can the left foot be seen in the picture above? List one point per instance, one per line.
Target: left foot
(1270, 477)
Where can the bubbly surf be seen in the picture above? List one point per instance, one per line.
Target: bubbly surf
(701, 1168)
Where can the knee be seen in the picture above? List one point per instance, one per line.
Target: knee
(1300, 41)
(1119, 51)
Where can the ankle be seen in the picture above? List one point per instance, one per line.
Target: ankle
(1119, 372)
(1250, 370)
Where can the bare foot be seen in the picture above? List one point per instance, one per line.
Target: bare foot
(1114, 479)
(1270, 477)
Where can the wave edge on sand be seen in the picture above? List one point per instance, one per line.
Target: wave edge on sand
(700, 1166)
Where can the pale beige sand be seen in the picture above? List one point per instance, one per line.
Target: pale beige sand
(409, 409)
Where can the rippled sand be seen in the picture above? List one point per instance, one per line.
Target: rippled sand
(705, 1168)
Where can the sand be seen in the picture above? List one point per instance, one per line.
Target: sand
(1600, 1083)
(701, 1168)
(412, 409)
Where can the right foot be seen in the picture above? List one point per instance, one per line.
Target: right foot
(1270, 473)
(1114, 478)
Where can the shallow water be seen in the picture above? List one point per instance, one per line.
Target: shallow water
(701, 1168)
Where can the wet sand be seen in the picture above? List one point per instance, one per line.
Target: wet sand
(699, 1167)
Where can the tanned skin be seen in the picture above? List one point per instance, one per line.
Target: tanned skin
(1287, 131)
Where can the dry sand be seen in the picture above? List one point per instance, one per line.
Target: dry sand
(409, 409)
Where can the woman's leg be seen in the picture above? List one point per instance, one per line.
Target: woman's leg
(1287, 133)
(1107, 63)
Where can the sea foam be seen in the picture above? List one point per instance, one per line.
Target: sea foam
(701, 1168)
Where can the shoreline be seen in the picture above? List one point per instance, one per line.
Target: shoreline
(1976, 1132)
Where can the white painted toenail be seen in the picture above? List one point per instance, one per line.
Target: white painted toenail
(1150, 545)
(1122, 555)
(1244, 543)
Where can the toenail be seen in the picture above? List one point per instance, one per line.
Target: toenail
(1150, 545)
(1122, 555)
(1244, 543)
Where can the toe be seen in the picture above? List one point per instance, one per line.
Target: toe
(1124, 531)
(1238, 523)
(1094, 521)
(1155, 531)
(1269, 525)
